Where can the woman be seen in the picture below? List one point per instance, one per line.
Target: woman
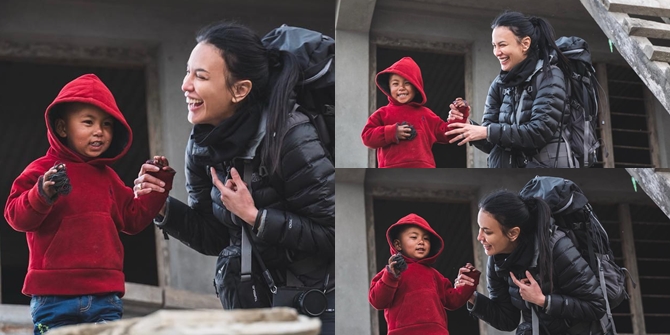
(532, 265)
(524, 106)
(239, 98)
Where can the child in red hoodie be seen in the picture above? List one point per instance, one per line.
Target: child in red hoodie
(404, 131)
(71, 205)
(412, 294)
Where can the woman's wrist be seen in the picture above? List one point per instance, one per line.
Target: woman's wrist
(472, 298)
(250, 217)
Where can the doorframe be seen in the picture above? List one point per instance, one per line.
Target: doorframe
(464, 196)
(460, 48)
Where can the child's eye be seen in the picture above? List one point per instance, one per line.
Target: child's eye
(88, 122)
(108, 123)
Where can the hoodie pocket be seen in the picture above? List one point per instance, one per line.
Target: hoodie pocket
(85, 241)
(420, 306)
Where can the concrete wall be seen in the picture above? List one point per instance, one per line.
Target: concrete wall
(166, 28)
(601, 186)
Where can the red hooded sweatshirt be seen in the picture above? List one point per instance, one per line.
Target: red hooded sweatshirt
(73, 239)
(380, 131)
(414, 303)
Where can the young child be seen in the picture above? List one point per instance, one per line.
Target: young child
(71, 204)
(412, 294)
(404, 131)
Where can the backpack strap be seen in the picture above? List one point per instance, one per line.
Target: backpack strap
(248, 247)
(535, 321)
(319, 122)
(607, 318)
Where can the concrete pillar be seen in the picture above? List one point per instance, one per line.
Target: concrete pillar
(353, 312)
(352, 82)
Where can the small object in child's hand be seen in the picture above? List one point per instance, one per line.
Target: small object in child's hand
(474, 273)
(412, 131)
(464, 108)
(400, 264)
(61, 181)
(155, 162)
(161, 174)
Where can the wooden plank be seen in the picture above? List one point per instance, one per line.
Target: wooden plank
(175, 298)
(141, 299)
(656, 184)
(654, 147)
(143, 295)
(646, 28)
(639, 7)
(604, 117)
(658, 53)
(652, 75)
(630, 262)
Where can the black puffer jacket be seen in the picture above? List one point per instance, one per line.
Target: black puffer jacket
(513, 132)
(575, 298)
(296, 207)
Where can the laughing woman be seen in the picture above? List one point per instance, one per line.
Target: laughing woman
(519, 130)
(531, 269)
(239, 97)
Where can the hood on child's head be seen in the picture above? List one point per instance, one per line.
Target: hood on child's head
(89, 89)
(408, 69)
(436, 242)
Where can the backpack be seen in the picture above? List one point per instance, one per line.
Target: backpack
(315, 92)
(582, 104)
(573, 215)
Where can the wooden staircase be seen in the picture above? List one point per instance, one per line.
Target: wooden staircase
(656, 183)
(630, 24)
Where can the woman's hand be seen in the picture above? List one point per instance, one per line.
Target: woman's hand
(145, 183)
(529, 289)
(465, 132)
(236, 196)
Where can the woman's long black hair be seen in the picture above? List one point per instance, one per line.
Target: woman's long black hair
(541, 33)
(533, 217)
(273, 74)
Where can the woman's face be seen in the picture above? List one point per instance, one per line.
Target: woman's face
(507, 48)
(491, 235)
(209, 99)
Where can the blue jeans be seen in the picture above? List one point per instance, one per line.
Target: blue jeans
(51, 311)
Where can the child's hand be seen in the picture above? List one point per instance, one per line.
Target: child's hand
(397, 264)
(47, 184)
(458, 110)
(56, 181)
(403, 132)
(467, 275)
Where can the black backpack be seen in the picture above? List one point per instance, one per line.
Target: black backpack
(316, 90)
(582, 104)
(574, 216)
